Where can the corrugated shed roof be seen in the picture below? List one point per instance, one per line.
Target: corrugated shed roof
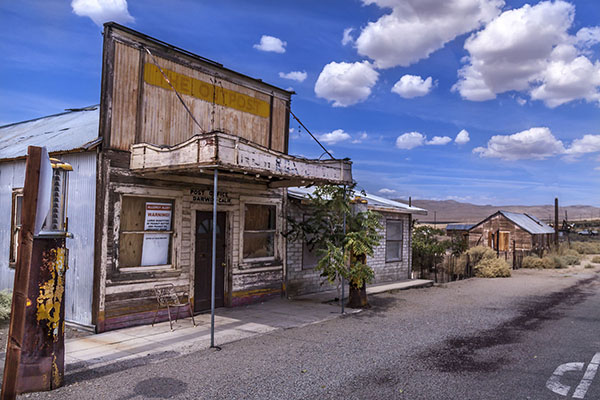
(459, 227)
(372, 200)
(71, 130)
(528, 223)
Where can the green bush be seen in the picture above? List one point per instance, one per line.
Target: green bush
(492, 268)
(596, 259)
(5, 301)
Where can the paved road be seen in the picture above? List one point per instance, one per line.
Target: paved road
(477, 339)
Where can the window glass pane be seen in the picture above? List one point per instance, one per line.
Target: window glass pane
(259, 217)
(393, 250)
(139, 214)
(259, 244)
(19, 208)
(394, 230)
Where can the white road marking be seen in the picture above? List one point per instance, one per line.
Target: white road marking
(554, 382)
(590, 373)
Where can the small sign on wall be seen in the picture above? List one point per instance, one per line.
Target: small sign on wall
(206, 196)
(155, 248)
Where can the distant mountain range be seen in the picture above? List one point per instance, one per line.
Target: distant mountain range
(450, 211)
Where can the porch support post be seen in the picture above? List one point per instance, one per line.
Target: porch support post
(214, 260)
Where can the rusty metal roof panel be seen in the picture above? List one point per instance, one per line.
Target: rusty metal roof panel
(528, 223)
(72, 130)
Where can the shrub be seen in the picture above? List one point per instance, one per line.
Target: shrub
(596, 259)
(570, 259)
(586, 247)
(533, 262)
(554, 261)
(479, 253)
(589, 266)
(5, 301)
(492, 268)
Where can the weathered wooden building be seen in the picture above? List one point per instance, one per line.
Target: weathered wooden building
(392, 260)
(507, 231)
(171, 126)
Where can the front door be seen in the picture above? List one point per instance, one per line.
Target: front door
(203, 269)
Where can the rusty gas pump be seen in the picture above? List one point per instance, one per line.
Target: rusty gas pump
(35, 352)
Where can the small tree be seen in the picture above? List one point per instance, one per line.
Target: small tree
(427, 250)
(341, 254)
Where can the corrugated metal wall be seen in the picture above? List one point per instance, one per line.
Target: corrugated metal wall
(82, 198)
(12, 175)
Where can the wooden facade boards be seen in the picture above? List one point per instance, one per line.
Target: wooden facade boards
(502, 234)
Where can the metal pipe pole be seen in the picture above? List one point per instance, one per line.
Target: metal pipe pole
(214, 260)
(344, 227)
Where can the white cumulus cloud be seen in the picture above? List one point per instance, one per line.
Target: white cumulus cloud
(530, 50)
(535, 143)
(101, 11)
(439, 141)
(462, 137)
(271, 44)
(334, 137)
(410, 86)
(299, 76)
(346, 83)
(363, 136)
(587, 144)
(410, 140)
(416, 28)
(347, 36)
(386, 191)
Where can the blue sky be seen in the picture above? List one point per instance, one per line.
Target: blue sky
(522, 79)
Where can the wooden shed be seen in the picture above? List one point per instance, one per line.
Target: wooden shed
(506, 231)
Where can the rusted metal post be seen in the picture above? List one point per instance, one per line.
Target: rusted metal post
(35, 359)
(21, 285)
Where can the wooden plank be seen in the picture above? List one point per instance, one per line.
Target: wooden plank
(280, 113)
(125, 96)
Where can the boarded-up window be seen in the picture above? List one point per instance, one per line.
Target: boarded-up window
(15, 225)
(491, 240)
(393, 242)
(146, 232)
(259, 231)
(503, 241)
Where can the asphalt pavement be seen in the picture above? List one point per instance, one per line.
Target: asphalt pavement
(532, 336)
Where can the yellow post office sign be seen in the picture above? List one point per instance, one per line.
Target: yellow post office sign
(206, 91)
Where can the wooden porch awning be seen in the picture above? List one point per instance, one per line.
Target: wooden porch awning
(234, 154)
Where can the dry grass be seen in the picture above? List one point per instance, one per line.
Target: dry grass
(492, 268)
(596, 259)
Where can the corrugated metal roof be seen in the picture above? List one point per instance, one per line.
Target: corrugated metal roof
(372, 200)
(528, 223)
(71, 130)
(459, 227)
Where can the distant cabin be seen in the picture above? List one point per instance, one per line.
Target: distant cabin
(458, 229)
(507, 231)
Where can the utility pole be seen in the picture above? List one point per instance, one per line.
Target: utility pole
(556, 222)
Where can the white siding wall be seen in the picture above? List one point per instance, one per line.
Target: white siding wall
(81, 214)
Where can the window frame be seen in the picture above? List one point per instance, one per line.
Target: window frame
(260, 261)
(149, 196)
(15, 227)
(400, 241)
